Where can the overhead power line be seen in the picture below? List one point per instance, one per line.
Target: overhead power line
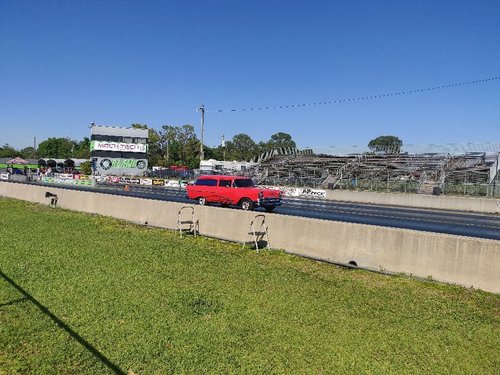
(405, 92)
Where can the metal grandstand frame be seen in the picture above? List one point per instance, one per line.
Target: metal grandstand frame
(471, 169)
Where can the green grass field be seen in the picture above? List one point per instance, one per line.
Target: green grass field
(83, 294)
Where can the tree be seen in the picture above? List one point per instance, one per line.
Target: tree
(7, 151)
(281, 140)
(216, 153)
(169, 145)
(82, 149)
(139, 126)
(263, 146)
(57, 148)
(190, 145)
(28, 153)
(179, 145)
(387, 144)
(154, 145)
(86, 167)
(277, 140)
(242, 147)
(154, 150)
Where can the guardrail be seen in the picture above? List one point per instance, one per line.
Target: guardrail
(441, 202)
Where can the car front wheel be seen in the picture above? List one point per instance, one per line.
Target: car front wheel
(246, 204)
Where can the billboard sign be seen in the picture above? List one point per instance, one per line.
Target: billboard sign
(118, 146)
(120, 167)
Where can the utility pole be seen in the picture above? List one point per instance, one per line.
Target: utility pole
(223, 144)
(168, 156)
(202, 110)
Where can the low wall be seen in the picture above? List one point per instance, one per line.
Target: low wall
(452, 259)
(441, 202)
(18, 178)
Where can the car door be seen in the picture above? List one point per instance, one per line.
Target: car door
(224, 191)
(204, 187)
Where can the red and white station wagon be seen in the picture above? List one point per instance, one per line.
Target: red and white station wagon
(233, 190)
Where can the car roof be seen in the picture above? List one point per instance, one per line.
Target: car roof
(222, 177)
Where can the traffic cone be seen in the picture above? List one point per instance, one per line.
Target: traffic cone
(126, 188)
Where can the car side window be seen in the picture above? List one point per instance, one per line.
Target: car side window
(243, 183)
(225, 183)
(206, 182)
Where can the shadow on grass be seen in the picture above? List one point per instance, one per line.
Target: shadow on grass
(61, 324)
(261, 244)
(13, 302)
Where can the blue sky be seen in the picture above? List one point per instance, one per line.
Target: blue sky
(65, 64)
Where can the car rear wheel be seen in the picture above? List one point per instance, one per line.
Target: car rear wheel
(202, 201)
(246, 204)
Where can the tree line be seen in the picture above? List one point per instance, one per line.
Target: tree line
(170, 145)
(179, 145)
(56, 148)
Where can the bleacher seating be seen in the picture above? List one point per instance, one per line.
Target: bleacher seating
(428, 171)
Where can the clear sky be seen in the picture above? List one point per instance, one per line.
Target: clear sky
(64, 64)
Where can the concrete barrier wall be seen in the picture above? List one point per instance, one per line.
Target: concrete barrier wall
(441, 202)
(452, 259)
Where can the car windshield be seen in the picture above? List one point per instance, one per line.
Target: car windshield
(243, 183)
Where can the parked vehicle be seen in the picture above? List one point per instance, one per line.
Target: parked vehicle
(233, 190)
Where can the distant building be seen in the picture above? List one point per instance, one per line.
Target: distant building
(119, 151)
(212, 166)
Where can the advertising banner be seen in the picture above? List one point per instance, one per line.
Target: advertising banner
(128, 180)
(158, 182)
(313, 193)
(65, 176)
(299, 192)
(118, 146)
(66, 181)
(106, 163)
(172, 183)
(120, 167)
